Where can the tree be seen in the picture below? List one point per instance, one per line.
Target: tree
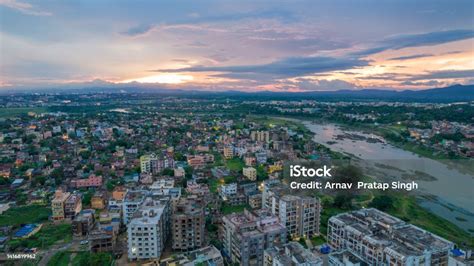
(343, 201)
(168, 171)
(348, 174)
(86, 199)
(382, 202)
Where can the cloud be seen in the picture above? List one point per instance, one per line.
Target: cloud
(283, 68)
(416, 40)
(410, 57)
(444, 74)
(323, 85)
(430, 83)
(138, 30)
(24, 8)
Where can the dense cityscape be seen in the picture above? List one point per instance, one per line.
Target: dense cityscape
(96, 179)
(225, 133)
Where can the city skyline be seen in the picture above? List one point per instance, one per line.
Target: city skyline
(218, 46)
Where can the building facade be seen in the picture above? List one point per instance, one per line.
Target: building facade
(188, 225)
(381, 239)
(148, 230)
(246, 236)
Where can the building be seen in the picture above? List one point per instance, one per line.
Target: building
(227, 190)
(102, 239)
(246, 235)
(83, 223)
(250, 173)
(291, 253)
(230, 195)
(58, 204)
(460, 257)
(179, 172)
(228, 152)
(98, 201)
(188, 225)
(196, 161)
(148, 230)
(118, 194)
(165, 187)
(131, 203)
(152, 164)
(72, 206)
(146, 162)
(261, 136)
(255, 200)
(345, 258)
(92, 181)
(381, 239)
(209, 255)
(250, 160)
(299, 214)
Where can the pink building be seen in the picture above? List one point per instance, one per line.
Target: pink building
(91, 181)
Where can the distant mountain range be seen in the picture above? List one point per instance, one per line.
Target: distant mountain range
(452, 93)
(447, 94)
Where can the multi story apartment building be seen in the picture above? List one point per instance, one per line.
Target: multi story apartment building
(58, 204)
(250, 173)
(72, 206)
(131, 203)
(246, 235)
(83, 223)
(291, 253)
(188, 225)
(148, 230)
(102, 239)
(262, 136)
(209, 255)
(299, 214)
(92, 181)
(381, 239)
(154, 165)
(228, 152)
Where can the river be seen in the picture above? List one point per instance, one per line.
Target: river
(453, 190)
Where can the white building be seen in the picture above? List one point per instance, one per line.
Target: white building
(291, 253)
(148, 230)
(250, 173)
(381, 239)
(131, 202)
(227, 190)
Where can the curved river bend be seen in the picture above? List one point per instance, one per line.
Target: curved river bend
(454, 190)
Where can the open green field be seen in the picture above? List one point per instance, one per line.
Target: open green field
(235, 164)
(12, 112)
(272, 121)
(25, 214)
(61, 258)
(64, 258)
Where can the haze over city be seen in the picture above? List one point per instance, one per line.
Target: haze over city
(252, 46)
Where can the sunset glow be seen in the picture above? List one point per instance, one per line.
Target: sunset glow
(249, 47)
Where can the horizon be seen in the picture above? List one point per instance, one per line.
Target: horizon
(253, 47)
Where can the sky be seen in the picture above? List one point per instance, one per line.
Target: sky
(237, 45)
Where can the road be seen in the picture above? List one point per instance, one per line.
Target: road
(47, 254)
